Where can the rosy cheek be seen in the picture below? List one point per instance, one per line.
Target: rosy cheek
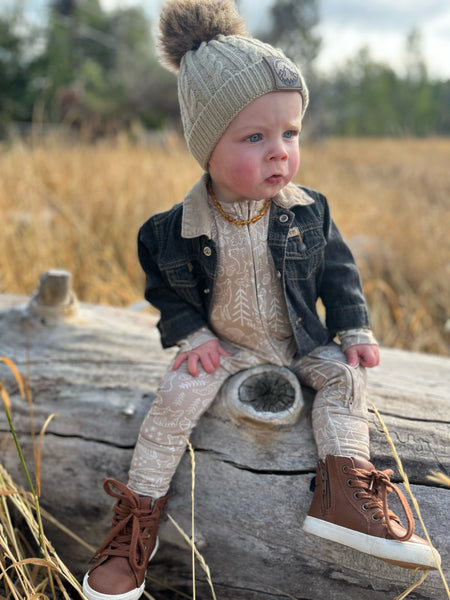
(294, 161)
(242, 170)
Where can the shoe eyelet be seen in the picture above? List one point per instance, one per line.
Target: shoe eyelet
(364, 507)
(356, 495)
(349, 483)
(345, 469)
(374, 518)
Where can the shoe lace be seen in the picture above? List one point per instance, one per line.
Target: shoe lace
(132, 526)
(373, 487)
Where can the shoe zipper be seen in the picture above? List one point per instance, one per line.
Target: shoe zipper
(326, 496)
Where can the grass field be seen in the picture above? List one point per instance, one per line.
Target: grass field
(78, 207)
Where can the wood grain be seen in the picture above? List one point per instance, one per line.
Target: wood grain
(98, 372)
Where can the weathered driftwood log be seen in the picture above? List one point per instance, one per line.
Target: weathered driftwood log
(98, 367)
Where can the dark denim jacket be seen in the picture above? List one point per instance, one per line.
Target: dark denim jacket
(310, 257)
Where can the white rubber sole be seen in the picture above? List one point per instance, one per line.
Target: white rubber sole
(135, 594)
(93, 595)
(405, 554)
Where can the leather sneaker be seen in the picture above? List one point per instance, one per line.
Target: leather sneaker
(350, 507)
(120, 564)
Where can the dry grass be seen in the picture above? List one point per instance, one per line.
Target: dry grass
(29, 565)
(405, 480)
(79, 207)
(390, 199)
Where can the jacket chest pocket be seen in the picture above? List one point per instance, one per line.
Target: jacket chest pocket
(304, 252)
(182, 280)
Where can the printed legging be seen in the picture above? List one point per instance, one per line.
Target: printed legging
(339, 414)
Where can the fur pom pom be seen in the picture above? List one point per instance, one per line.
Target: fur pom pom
(185, 24)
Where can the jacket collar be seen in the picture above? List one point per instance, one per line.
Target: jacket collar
(196, 221)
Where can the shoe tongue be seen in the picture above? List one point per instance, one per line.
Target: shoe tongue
(145, 502)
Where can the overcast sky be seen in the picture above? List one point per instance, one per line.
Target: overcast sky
(348, 25)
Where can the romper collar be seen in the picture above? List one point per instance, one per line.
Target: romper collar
(196, 221)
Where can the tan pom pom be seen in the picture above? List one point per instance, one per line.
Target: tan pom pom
(185, 24)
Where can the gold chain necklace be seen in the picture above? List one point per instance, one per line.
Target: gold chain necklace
(229, 218)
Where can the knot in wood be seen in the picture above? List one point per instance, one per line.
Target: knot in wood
(268, 391)
(264, 395)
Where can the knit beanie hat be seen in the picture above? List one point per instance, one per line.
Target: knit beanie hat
(221, 69)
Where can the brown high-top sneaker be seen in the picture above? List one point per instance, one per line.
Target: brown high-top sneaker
(121, 561)
(350, 507)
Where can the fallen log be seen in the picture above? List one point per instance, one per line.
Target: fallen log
(97, 369)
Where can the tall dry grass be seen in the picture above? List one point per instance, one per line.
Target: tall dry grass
(79, 206)
(29, 565)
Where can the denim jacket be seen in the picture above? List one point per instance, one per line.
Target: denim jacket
(312, 260)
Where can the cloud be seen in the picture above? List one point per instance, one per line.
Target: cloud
(345, 26)
(343, 43)
(382, 15)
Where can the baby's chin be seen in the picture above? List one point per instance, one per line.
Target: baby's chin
(274, 186)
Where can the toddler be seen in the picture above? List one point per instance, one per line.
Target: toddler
(236, 270)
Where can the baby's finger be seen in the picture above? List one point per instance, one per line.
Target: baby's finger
(215, 359)
(179, 360)
(193, 363)
(352, 357)
(224, 352)
(371, 357)
(208, 363)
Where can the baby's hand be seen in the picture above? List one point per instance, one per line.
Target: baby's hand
(208, 354)
(366, 355)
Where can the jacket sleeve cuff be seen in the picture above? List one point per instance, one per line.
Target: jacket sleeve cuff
(195, 339)
(353, 337)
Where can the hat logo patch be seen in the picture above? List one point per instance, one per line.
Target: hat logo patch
(284, 73)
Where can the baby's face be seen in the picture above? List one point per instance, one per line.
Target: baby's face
(259, 152)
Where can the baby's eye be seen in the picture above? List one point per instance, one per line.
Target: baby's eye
(255, 137)
(290, 133)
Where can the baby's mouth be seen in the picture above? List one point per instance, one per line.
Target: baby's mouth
(276, 178)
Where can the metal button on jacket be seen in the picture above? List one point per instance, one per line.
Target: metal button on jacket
(284, 218)
(207, 251)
